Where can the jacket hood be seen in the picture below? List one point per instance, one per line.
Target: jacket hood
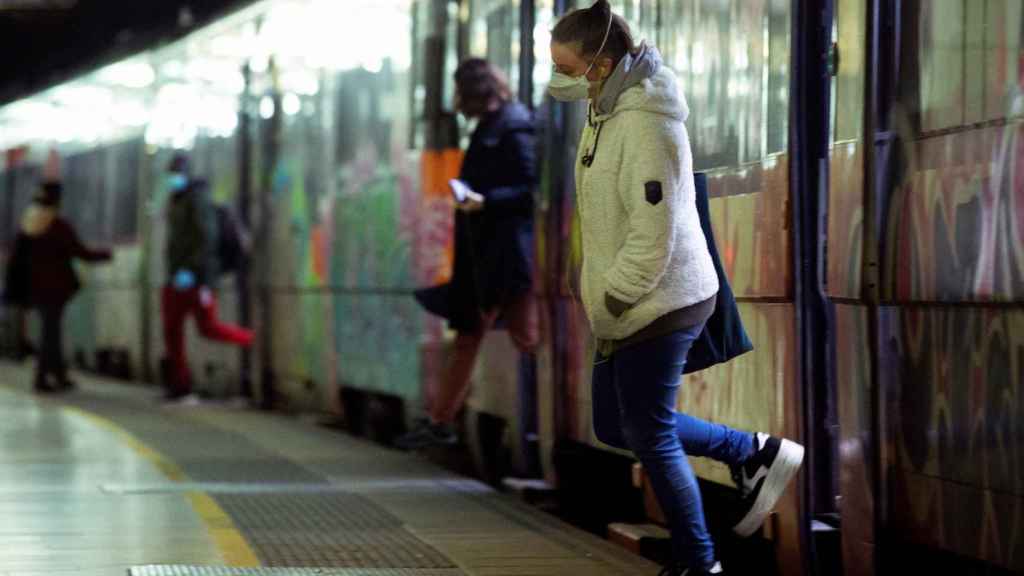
(642, 82)
(38, 219)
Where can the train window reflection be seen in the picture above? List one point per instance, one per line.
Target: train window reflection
(848, 85)
(732, 59)
(967, 57)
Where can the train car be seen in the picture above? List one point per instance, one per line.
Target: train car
(862, 166)
(925, 284)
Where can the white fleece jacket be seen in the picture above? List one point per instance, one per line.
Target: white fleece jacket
(642, 240)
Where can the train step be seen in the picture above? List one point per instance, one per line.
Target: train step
(647, 540)
(534, 491)
(828, 552)
(753, 555)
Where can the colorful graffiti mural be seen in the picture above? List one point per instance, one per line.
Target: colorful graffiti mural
(954, 383)
(956, 221)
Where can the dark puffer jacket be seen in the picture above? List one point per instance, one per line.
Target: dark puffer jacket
(192, 234)
(494, 247)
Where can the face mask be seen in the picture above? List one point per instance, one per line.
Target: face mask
(176, 182)
(568, 88)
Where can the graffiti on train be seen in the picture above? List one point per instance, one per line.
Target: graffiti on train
(956, 380)
(956, 224)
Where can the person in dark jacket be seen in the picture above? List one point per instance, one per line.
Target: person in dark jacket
(46, 245)
(493, 271)
(192, 270)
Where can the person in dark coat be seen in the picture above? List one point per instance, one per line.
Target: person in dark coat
(493, 271)
(192, 272)
(45, 246)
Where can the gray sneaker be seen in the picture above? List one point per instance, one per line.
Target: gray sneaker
(425, 434)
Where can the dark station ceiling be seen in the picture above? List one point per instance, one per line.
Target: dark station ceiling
(44, 42)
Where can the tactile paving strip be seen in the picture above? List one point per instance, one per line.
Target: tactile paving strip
(326, 529)
(219, 488)
(291, 517)
(224, 571)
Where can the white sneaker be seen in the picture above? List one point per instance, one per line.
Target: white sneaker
(186, 401)
(763, 478)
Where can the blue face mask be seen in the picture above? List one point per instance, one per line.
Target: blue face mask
(176, 181)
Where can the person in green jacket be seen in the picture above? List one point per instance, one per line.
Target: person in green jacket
(192, 271)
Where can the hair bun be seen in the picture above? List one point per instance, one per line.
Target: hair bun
(601, 8)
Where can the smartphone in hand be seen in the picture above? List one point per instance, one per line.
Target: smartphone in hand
(459, 190)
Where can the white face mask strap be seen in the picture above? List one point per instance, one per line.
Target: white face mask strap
(604, 41)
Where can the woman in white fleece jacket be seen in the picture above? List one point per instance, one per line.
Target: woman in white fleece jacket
(648, 281)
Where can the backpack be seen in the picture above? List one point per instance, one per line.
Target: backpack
(233, 242)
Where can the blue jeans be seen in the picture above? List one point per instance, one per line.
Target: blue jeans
(634, 396)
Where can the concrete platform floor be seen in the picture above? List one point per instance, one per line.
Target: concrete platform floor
(104, 479)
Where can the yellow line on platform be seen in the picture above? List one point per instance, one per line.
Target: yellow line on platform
(229, 541)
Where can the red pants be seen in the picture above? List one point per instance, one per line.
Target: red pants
(175, 307)
(521, 320)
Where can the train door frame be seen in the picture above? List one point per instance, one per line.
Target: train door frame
(529, 409)
(244, 208)
(809, 179)
(557, 130)
(883, 67)
(269, 140)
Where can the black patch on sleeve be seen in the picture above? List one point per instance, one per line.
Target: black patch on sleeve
(652, 191)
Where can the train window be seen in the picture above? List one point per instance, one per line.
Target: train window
(26, 182)
(777, 120)
(940, 55)
(418, 94)
(435, 30)
(544, 21)
(732, 59)
(499, 39)
(967, 54)
(848, 86)
(438, 32)
(642, 16)
(84, 194)
(123, 185)
(477, 26)
(16, 183)
(12, 180)
(1002, 59)
(494, 34)
(974, 62)
(451, 54)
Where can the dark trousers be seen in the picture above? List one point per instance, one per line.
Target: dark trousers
(51, 353)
